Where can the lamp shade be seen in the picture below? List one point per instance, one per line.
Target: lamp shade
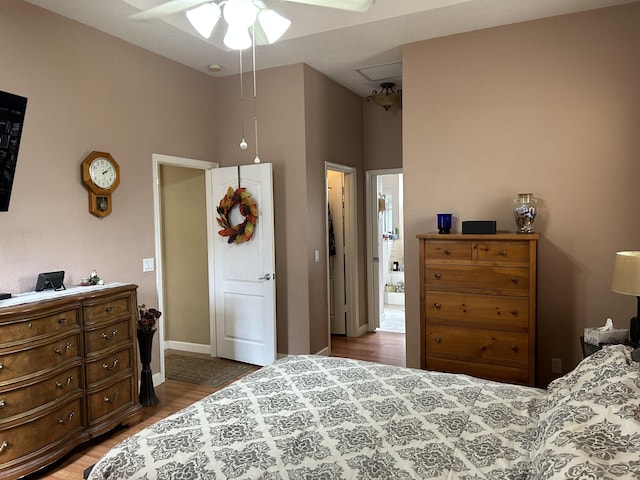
(204, 18)
(237, 38)
(273, 24)
(626, 273)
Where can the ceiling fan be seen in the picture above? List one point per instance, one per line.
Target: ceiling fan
(247, 21)
(175, 6)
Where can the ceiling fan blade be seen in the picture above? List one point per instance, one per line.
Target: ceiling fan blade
(351, 5)
(167, 8)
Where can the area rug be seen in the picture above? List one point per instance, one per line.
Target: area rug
(209, 371)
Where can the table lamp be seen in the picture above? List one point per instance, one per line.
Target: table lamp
(626, 280)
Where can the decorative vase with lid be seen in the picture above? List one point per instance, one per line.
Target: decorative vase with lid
(525, 212)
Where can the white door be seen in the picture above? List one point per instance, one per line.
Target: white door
(337, 265)
(244, 274)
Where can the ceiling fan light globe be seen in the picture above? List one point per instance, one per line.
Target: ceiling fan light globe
(240, 13)
(237, 38)
(273, 24)
(204, 18)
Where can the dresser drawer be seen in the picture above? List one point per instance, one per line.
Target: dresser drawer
(498, 373)
(509, 280)
(478, 345)
(106, 336)
(22, 363)
(35, 326)
(48, 389)
(448, 250)
(503, 251)
(106, 366)
(52, 426)
(107, 309)
(109, 400)
(473, 310)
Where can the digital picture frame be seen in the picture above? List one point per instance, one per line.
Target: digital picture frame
(50, 280)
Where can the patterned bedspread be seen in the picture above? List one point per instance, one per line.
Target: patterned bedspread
(315, 417)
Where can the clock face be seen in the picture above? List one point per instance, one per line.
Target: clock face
(102, 172)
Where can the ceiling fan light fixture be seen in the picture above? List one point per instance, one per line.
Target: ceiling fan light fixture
(204, 18)
(273, 24)
(240, 13)
(387, 97)
(237, 38)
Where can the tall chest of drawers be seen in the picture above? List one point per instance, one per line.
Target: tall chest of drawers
(478, 305)
(68, 372)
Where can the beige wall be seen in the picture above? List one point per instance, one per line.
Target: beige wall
(333, 120)
(185, 270)
(549, 107)
(88, 91)
(382, 136)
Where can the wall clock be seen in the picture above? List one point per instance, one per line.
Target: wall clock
(101, 176)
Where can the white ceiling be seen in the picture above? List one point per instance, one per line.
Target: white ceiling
(334, 42)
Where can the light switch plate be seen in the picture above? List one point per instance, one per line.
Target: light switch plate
(147, 265)
(316, 256)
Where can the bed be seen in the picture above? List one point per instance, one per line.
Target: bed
(316, 417)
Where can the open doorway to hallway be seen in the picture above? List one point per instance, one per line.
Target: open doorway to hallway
(386, 247)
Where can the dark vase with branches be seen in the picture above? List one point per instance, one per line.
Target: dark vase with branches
(146, 329)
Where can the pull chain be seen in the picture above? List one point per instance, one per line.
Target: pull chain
(255, 108)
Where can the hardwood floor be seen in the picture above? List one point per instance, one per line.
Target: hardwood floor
(382, 347)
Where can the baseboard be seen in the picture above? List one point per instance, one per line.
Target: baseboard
(324, 351)
(187, 347)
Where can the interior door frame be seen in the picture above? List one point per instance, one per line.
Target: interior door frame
(158, 160)
(373, 266)
(351, 241)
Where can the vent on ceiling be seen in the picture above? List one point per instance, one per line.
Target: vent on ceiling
(378, 73)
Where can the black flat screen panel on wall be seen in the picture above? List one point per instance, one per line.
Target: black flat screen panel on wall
(12, 108)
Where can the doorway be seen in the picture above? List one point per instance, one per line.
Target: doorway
(182, 258)
(385, 249)
(342, 260)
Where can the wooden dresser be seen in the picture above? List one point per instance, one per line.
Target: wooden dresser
(478, 305)
(68, 372)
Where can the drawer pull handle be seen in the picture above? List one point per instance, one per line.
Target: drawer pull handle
(107, 337)
(503, 253)
(109, 309)
(61, 421)
(113, 365)
(1, 366)
(2, 403)
(514, 348)
(437, 305)
(69, 380)
(62, 321)
(62, 352)
(111, 400)
(437, 276)
(514, 313)
(514, 280)
(4, 446)
(447, 251)
(438, 339)
(30, 325)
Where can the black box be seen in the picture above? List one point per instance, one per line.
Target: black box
(479, 226)
(4, 296)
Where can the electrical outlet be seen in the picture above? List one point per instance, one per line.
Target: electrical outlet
(556, 365)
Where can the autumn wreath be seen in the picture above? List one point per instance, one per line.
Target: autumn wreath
(248, 208)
